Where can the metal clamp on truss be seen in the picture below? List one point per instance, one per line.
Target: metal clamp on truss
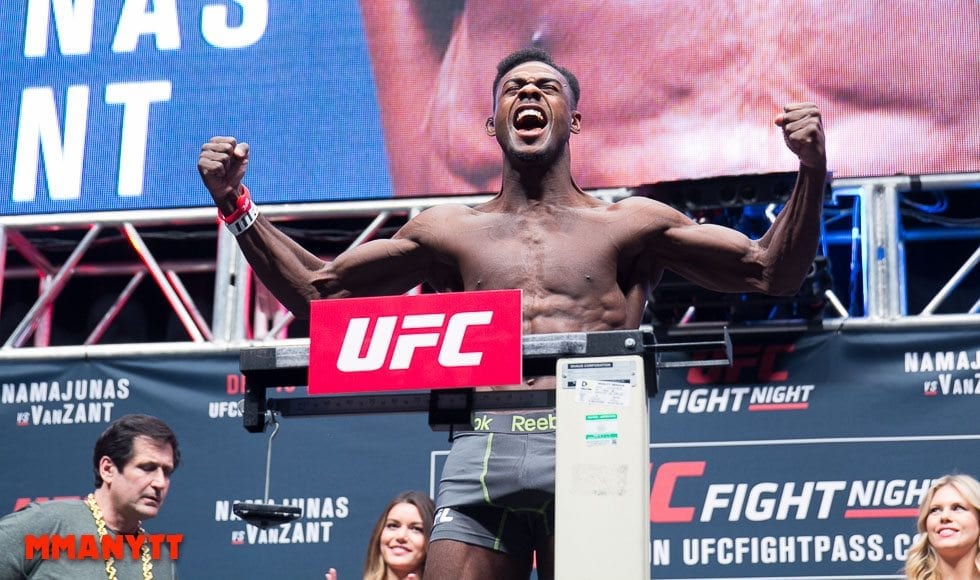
(267, 367)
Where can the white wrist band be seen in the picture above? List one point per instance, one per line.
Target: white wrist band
(248, 218)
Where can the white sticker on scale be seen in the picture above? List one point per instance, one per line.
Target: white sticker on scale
(598, 392)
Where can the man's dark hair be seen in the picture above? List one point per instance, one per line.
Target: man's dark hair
(534, 54)
(116, 441)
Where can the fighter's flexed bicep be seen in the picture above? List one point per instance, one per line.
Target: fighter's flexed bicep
(725, 260)
(417, 253)
(295, 276)
(715, 257)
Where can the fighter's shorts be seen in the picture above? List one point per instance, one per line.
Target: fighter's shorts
(498, 484)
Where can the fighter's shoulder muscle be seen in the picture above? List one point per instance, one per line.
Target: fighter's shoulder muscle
(646, 213)
(435, 222)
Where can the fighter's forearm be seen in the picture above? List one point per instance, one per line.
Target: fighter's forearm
(791, 243)
(287, 269)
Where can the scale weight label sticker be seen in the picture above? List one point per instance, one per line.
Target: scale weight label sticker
(598, 392)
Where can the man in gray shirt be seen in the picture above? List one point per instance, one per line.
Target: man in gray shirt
(101, 536)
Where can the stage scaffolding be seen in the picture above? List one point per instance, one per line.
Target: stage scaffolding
(238, 318)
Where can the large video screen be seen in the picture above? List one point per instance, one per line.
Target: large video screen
(107, 103)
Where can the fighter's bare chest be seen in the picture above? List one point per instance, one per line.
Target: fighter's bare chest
(525, 253)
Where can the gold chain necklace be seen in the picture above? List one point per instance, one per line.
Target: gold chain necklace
(110, 563)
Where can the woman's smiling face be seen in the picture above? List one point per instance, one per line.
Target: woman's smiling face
(952, 523)
(403, 540)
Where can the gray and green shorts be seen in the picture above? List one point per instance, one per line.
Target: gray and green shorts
(498, 485)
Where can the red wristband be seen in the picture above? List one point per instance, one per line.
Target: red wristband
(242, 205)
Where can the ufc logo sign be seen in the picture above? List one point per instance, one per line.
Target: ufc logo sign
(429, 341)
(450, 355)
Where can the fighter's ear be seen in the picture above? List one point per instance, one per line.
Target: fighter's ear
(490, 129)
(576, 122)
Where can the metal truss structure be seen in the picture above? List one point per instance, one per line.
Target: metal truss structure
(243, 314)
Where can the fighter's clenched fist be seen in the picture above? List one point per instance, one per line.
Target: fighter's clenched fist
(803, 133)
(222, 166)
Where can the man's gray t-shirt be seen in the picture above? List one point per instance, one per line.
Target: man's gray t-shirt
(64, 518)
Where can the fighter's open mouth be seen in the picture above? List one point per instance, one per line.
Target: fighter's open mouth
(529, 118)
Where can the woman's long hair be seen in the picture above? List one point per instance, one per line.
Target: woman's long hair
(922, 561)
(374, 564)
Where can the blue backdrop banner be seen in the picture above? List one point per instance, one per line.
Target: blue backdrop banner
(806, 458)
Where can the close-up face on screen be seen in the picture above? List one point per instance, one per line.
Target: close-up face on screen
(107, 104)
(684, 89)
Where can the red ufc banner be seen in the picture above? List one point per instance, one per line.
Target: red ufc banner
(403, 343)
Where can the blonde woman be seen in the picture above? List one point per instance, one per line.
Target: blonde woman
(948, 547)
(400, 540)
